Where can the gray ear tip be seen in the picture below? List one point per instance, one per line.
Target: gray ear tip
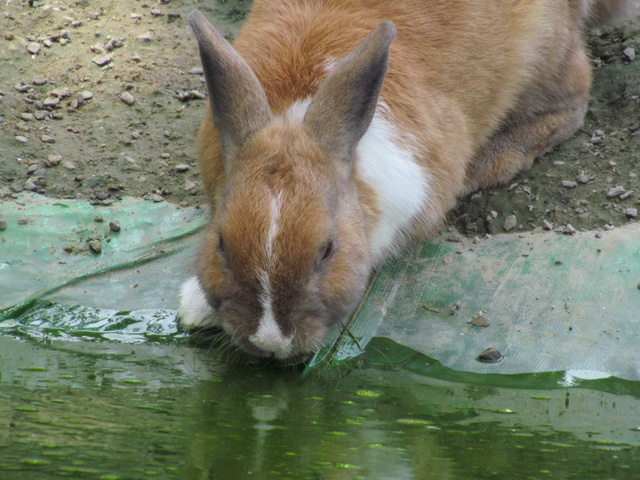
(388, 29)
(195, 17)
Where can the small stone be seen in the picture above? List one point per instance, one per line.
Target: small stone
(183, 167)
(95, 245)
(23, 221)
(510, 223)
(3, 225)
(30, 186)
(480, 320)
(62, 92)
(626, 195)
(114, 226)
(9, 36)
(28, 117)
(127, 98)
(51, 102)
(21, 139)
(197, 71)
(631, 212)
(40, 81)
(547, 225)
(145, 37)
(34, 48)
(41, 114)
(629, 53)
(102, 60)
(569, 229)
(490, 355)
(86, 95)
(52, 161)
(568, 184)
(615, 192)
(22, 87)
(48, 139)
(583, 178)
(153, 197)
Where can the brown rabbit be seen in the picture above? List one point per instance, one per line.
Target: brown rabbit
(327, 147)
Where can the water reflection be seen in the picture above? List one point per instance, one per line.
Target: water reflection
(113, 411)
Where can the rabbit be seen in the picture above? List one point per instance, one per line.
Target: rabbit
(340, 131)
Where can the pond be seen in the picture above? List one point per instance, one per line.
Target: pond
(101, 409)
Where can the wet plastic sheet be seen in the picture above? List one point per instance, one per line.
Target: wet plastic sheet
(553, 303)
(128, 288)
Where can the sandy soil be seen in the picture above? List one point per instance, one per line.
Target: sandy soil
(100, 100)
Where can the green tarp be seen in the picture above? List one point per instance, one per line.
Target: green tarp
(547, 302)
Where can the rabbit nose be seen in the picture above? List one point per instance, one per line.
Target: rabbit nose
(269, 336)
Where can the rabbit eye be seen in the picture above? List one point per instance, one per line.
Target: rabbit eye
(327, 251)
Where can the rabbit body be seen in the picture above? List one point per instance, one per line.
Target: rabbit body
(341, 130)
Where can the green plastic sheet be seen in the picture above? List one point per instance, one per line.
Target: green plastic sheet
(548, 302)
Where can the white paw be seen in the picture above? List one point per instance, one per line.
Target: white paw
(194, 311)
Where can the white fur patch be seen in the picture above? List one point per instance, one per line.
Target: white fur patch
(194, 310)
(297, 110)
(275, 206)
(401, 185)
(269, 336)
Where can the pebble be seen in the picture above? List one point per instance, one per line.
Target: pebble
(480, 320)
(510, 223)
(40, 81)
(629, 53)
(22, 87)
(34, 48)
(197, 71)
(490, 355)
(86, 95)
(3, 225)
(41, 114)
(95, 245)
(615, 192)
(145, 37)
(51, 102)
(569, 184)
(584, 178)
(52, 161)
(114, 226)
(62, 92)
(30, 185)
(547, 225)
(631, 212)
(22, 139)
(153, 197)
(190, 95)
(599, 234)
(28, 117)
(127, 98)
(48, 139)
(102, 60)
(569, 229)
(183, 167)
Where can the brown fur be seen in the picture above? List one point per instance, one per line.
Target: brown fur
(476, 90)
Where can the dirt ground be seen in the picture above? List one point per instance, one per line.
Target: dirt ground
(100, 100)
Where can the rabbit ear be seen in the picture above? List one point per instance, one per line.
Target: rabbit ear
(341, 110)
(238, 102)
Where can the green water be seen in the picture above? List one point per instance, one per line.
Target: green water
(124, 410)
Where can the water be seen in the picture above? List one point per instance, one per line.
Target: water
(125, 410)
